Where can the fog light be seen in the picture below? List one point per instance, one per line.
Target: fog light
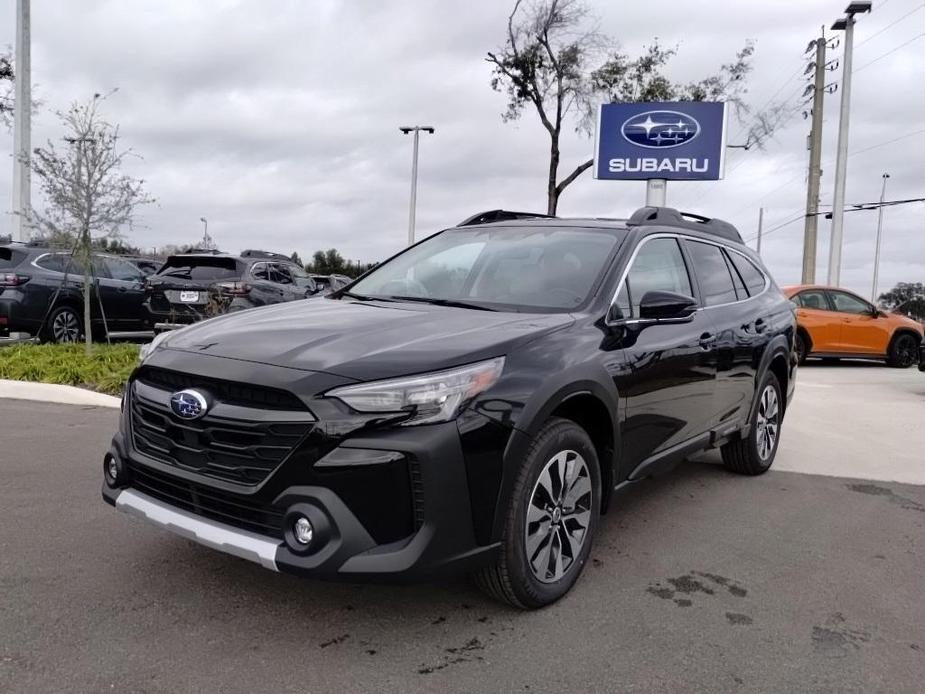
(303, 531)
(112, 471)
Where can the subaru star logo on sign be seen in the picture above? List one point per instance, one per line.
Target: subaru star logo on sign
(188, 404)
(674, 141)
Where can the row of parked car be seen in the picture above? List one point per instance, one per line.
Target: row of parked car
(41, 289)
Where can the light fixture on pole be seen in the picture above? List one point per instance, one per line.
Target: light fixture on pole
(416, 129)
(206, 241)
(845, 24)
(873, 291)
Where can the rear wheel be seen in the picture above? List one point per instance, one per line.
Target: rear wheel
(903, 351)
(63, 325)
(754, 453)
(551, 519)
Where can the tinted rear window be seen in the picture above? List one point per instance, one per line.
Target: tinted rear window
(10, 257)
(752, 276)
(712, 273)
(208, 269)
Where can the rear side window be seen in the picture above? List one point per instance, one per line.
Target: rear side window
(10, 257)
(752, 277)
(741, 291)
(204, 269)
(812, 299)
(712, 273)
(658, 266)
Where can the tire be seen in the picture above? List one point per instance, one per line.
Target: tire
(561, 445)
(64, 325)
(800, 347)
(904, 351)
(754, 453)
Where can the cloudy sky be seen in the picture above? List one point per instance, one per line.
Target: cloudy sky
(278, 120)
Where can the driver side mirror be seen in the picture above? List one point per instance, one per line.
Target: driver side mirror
(659, 306)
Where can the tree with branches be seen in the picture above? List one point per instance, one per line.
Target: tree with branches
(907, 298)
(87, 195)
(556, 62)
(7, 84)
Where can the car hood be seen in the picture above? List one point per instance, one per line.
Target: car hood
(363, 340)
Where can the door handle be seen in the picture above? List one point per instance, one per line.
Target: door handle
(122, 289)
(706, 340)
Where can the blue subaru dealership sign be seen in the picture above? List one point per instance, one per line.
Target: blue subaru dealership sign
(676, 141)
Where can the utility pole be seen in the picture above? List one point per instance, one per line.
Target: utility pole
(412, 212)
(22, 125)
(760, 228)
(873, 291)
(845, 24)
(815, 171)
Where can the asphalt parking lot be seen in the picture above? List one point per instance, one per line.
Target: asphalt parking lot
(700, 581)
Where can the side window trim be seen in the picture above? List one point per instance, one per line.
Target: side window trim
(695, 286)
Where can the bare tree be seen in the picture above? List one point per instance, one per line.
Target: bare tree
(555, 60)
(85, 191)
(6, 89)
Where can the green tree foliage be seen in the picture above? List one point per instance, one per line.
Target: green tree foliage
(555, 63)
(296, 259)
(331, 262)
(907, 298)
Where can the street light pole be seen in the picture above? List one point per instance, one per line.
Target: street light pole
(416, 129)
(845, 24)
(873, 291)
(22, 124)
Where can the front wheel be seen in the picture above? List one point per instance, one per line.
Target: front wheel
(903, 351)
(551, 519)
(754, 453)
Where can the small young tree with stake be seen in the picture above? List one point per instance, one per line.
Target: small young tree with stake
(85, 191)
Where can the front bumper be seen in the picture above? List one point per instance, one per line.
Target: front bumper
(442, 543)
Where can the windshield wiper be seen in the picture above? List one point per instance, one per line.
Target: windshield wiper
(363, 297)
(444, 302)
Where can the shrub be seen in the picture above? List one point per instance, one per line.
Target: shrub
(104, 370)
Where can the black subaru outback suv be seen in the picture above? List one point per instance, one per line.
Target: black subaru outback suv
(41, 293)
(469, 405)
(192, 286)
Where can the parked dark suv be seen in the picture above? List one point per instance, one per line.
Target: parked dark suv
(469, 405)
(193, 286)
(41, 293)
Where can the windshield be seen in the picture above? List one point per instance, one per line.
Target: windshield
(519, 268)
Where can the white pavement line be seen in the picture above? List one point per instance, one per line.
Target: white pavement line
(52, 392)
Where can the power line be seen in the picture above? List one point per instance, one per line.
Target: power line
(776, 227)
(890, 52)
(891, 24)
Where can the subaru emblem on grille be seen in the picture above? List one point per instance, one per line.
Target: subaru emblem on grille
(188, 404)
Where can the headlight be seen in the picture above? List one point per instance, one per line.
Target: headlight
(148, 348)
(433, 397)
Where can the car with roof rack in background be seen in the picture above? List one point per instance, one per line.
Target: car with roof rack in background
(200, 284)
(41, 294)
(472, 404)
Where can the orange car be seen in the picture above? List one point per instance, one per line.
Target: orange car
(835, 323)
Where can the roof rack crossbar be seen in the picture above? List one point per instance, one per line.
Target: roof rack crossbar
(500, 216)
(254, 253)
(668, 216)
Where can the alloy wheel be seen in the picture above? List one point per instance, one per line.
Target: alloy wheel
(66, 326)
(768, 422)
(558, 516)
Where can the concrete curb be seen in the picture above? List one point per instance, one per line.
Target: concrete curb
(52, 392)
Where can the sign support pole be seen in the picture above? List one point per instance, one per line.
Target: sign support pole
(656, 190)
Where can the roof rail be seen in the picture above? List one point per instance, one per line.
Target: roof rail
(670, 217)
(202, 251)
(253, 253)
(500, 216)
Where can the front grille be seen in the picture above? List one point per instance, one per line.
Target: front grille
(243, 394)
(243, 450)
(230, 509)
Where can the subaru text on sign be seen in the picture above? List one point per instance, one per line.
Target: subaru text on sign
(671, 141)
